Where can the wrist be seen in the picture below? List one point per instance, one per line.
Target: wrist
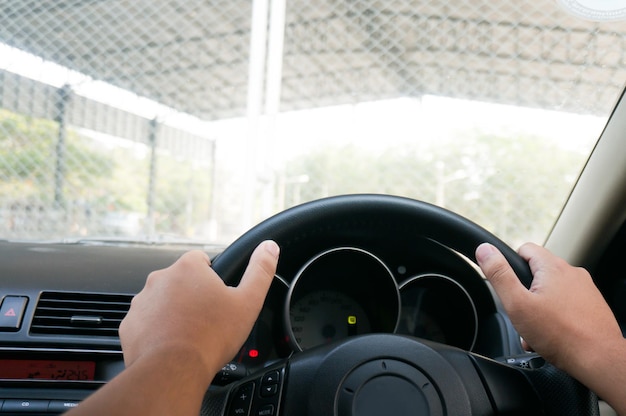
(603, 370)
(167, 379)
(602, 355)
(180, 359)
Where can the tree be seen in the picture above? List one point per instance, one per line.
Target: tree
(28, 157)
(514, 186)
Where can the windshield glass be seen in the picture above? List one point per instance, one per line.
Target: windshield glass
(192, 121)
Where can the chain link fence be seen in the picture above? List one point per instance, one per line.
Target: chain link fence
(189, 119)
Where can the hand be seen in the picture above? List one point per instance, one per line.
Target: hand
(187, 309)
(181, 329)
(563, 316)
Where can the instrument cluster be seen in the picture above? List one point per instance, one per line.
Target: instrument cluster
(347, 291)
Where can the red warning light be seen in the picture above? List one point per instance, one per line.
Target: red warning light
(253, 353)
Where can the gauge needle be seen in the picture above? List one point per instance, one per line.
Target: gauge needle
(416, 311)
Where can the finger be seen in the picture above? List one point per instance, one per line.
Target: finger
(193, 257)
(534, 254)
(540, 259)
(187, 262)
(258, 276)
(526, 346)
(499, 272)
(528, 250)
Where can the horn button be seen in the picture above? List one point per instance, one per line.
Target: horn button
(379, 374)
(387, 386)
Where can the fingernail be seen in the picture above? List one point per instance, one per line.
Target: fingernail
(483, 251)
(272, 248)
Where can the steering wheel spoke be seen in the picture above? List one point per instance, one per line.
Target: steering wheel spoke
(259, 395)
(391, 374)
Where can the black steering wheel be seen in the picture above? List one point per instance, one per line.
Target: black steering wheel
(386, 374)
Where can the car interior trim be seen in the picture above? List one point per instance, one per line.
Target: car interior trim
(596, 207)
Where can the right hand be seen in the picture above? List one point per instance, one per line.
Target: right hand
(563, 316)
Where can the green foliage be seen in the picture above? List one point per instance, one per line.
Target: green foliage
(514, 186)
(182, 196)
(25, 148)
(104, 184)
(28, 159)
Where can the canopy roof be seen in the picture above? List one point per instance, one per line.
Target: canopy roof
(194, 55)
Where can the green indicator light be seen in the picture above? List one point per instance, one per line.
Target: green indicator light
(351, 320)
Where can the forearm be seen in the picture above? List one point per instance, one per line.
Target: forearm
(162, 383)
(603, 370)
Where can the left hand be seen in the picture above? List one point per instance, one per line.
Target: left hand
(188, 308)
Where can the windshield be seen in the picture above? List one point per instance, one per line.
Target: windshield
(192, 121)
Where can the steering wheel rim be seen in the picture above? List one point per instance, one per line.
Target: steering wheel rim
(438, 224)
(315, 381)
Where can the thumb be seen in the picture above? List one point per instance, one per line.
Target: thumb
(257, 278)
(504, 280)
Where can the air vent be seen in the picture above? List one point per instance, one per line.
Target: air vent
(79, 314)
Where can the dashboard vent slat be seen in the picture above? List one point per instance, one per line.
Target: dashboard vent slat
(80, 314)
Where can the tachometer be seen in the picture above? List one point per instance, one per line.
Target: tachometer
(438, 308)
(324, 316)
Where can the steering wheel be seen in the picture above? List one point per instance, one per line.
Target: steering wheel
(386, 374)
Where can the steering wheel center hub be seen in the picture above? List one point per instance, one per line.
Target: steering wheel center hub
(390, 395)
(387, 386)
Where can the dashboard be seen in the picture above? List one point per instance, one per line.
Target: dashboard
(359, 271)
(61, 304)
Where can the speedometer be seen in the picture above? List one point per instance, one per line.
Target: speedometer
(324, 316)
(338, 293)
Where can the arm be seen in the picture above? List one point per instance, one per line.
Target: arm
(564, 317)
(180, 331)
